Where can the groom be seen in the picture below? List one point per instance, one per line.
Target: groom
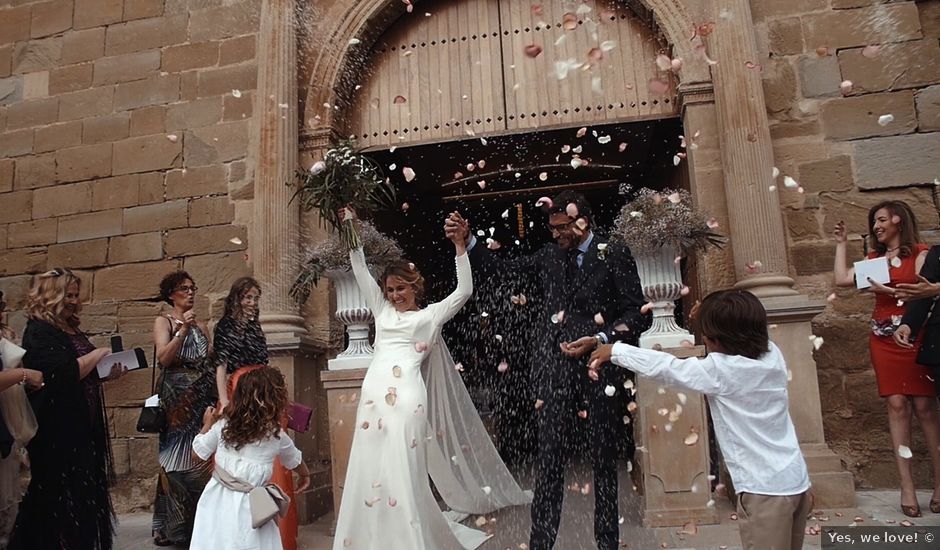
(587, 286)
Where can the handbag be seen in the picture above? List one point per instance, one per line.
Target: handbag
(266, 502)
(298, 417)
(152, 419)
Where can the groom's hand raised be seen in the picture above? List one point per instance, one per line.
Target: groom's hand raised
(456, 227)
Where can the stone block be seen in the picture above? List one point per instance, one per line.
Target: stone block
(140, 247)
(80, 254)
(17, 206)
(861, 27)
(148, 120)
(50, 18)
(815, 257)
(196, 182)
(33, 233)
(36, 85)
(897, 161)
(3, 236)
(204, 240)
(35, 171)
(83, 163)
(145, 154)
(214, 273)
(70, 78)
(37, 55)
(156, 217)
(86, 103)
(97, 318)
(140, 9)
(896, 66)
(190, 56)
(145, 34)
(151, 188)
(819, 76)
(927, 102)
(116, 192)
(127, 67)
(183, 6)
(763, 10)
(857, 117)
(929, 18)
(131, 281)
(194, 114)
(211, 211)
(832, 174)
(143, 451)
(802, 224)
(61, 200)
(6, 175)
(83, 45)
(95, 13)
(215, 144)
(237, 108)
(779, 81)
(236, 50)
(223, 21)
(852, 207)
(152, 91)
(16, 143)
(27, 114)
(23, 260)
(15, 291)
(189, 85)
(94, 225)
(106, 129)
(224, 80)
(124, 419)
(785, 36)
(14, 24)
(6, 60)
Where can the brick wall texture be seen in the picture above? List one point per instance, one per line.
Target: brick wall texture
(124, 129)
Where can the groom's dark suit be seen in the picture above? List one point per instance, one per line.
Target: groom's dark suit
(607, 283)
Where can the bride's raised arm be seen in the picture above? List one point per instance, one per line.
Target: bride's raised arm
(368, 286)
(442, 311)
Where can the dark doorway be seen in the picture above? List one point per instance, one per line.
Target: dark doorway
(517, 169)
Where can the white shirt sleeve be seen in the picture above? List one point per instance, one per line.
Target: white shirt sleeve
(289, 454)
(442, 311)
(373, 295)
(205, 445)
(693, 373)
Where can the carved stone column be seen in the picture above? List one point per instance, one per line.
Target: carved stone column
(275, 223)
(756, 227)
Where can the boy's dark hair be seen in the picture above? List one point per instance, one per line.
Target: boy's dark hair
(562, 200)
(737, 320)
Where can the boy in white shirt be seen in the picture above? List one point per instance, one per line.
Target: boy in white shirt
(744, 378)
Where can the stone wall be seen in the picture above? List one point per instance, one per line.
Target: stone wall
(830, 141)
(124, 138)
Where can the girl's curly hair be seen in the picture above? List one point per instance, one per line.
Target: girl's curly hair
(257, 407)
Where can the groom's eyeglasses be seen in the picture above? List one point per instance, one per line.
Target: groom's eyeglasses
(560, 226)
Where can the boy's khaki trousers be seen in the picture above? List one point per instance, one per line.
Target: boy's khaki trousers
(773, 522)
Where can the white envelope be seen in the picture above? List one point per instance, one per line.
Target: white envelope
(131, 359)
(10, 354)
(875, 269)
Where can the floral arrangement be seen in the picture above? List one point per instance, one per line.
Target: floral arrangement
(343, 178)
(654, 219)
(333, 254)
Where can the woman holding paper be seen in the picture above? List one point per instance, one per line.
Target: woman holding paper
(186, 388)
(67, 504)
(905, 385)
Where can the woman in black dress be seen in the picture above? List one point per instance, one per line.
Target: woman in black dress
(67, 505)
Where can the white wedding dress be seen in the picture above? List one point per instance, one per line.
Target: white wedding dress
(416, 418)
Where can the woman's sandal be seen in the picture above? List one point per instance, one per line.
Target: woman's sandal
(912, 511)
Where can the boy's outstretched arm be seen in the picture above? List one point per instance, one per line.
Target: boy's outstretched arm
(692, 374)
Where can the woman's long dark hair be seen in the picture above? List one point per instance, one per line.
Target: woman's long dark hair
(907, 227)
(258, 404)
(233, 302)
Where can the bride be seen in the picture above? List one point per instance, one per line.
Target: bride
(416, 418)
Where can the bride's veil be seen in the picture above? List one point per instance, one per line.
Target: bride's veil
(462, 460)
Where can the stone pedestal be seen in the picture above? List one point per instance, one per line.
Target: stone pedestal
(342, 393)
(676, 489)
(790, 329)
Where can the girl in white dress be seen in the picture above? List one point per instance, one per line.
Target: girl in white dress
(245, 442)
(407, 429)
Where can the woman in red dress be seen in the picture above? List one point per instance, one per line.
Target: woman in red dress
(905, 385)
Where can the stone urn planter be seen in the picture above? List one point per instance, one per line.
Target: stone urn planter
(355, 315)
(662, 285)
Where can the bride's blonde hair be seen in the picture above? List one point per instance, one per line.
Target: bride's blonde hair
(47, 297)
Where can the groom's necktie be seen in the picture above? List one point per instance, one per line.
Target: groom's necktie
(572, 268)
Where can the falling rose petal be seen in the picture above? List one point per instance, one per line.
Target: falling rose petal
(885, 120)
(846, 86)
(691, 439)
(581, 132)
(565, 148)
(831, 297)
(592, 371)
(493, 244)
(173, 138)
(657, 87)
(569, 21)
(582, 415)
(685, 291)
(392, 502)
(533, 50)
(481, 184)
(481, 163)
(502, 367)
(390, 399)
(595, 54)
(904, 451)
(421, 347)
(603, 140)
(772, 188)
(598, 319)
(906, 523)
(647, 307)
(632, 406)
(354, 41)
(622, 147)
(235, 241)
(236, 93)
(539, 404)
(537, 9)
(576, 162)
(365, 425)
(689, 528)
(408, 173)
(399, 99)
(817, 342)
(775, 172)
(754, 266)
(572, 210)
(581, 224)
(586, 488)
(822, 51)
(871, 51)
(543, 176)
(405, 206)
(396, 371)
(609, 391)
(752, 65)
(790, 183)
(577, 149)
(608, 45)
(392, 167)
(663, 62)
(487, 489)
(675, 198)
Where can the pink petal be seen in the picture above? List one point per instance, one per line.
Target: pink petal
(539, 404)
(846, 86)
(405, 206)
(399, 99)
(581, 132)
(543, 176)
(533, 50)
(598, 319)
(647, 307)
(408, 173)
(572, 210)
(871, 51)
(752, 65)
(685, 291)
(663, 62)
(675, 198)
(569, 21)
(657, 87)
(482, 184)
(503, 366)
(421, 347)
(481, 163)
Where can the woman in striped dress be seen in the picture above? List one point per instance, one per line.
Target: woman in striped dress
(186, 387)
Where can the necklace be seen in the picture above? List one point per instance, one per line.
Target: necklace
(892, 249)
